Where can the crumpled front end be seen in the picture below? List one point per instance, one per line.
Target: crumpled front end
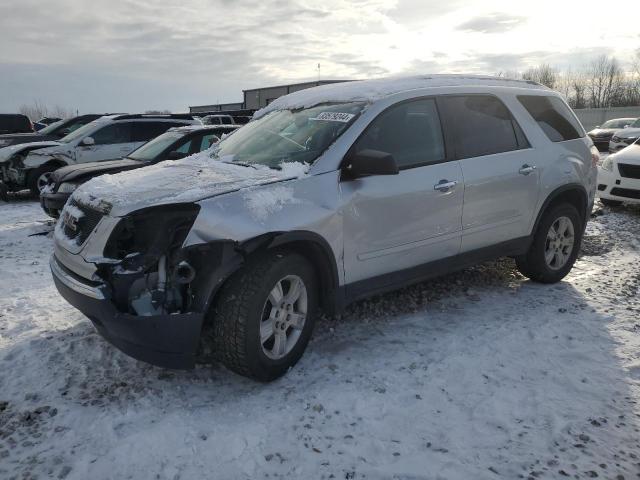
(143, 292)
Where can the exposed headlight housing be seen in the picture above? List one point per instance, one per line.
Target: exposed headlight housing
(608, 164)
(67, 187)
(152, 232)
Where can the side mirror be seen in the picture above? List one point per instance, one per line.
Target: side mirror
(371, 162)
(626, 126)
(175, 155)
(87, 141)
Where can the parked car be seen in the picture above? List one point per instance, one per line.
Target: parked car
(15, 123)
(175, 143)
(329, 195)
(55, 131)
(45, 121)
(218, 120)
(601, 135)
(619, 177)
(107, 138)
(623, 138)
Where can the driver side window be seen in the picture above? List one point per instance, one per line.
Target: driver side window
(410, 131)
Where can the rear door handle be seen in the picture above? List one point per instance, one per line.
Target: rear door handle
(526, 169)
(445, 185)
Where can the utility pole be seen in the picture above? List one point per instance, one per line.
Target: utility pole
(318, 74)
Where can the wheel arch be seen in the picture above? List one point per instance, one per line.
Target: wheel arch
(574, 194)
(310, 245)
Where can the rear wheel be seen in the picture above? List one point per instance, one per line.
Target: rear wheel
(265, 314)
(610, 203)
(38, 178)
(555, 246)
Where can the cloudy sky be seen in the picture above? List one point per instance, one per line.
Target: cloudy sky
(134, 55)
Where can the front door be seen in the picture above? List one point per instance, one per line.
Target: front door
(110, 142)
(398, 222)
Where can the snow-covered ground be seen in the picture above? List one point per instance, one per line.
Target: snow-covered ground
(477, 375)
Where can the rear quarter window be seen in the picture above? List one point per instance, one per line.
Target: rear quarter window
(553, 116)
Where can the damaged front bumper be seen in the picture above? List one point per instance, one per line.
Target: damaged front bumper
(167, 340)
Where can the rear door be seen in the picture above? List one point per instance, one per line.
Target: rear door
(499, 169)
(397, 222)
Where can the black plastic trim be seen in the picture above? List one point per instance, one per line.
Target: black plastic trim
(401, 278)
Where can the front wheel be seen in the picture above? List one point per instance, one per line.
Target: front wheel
(555, 245)
(38, 178)
(264, 316)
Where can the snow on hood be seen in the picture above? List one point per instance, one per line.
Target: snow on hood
(371, 90)
(7, 152)
(187, 180)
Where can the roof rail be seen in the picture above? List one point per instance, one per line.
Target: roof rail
(177, 116)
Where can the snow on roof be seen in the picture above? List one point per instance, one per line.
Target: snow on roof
(371, 90)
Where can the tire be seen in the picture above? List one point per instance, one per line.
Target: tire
(610, 203)
(535, 264)
(35, 177)
(244, 308)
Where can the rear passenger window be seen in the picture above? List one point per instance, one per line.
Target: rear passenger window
(553, 116)
(410, 131)
(482, 125)
(145, 131)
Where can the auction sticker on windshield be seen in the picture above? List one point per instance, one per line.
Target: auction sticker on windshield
(334, 117)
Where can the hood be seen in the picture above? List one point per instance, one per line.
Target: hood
(191, 179)
(7, 152)
(84, 171)
(630, 155)
(628, 133)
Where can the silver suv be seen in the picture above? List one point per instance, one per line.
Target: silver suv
(327, 196)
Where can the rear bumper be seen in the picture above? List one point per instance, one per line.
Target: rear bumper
(169, 341)
(601, 144)
(53, 203)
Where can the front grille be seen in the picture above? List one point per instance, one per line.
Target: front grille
(625, 192)
(83, 225)
(629, 171)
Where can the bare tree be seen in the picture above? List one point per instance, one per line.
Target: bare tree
(605, 82)
(38, 109)
(544, 74)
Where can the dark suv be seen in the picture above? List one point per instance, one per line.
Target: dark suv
(15, 123)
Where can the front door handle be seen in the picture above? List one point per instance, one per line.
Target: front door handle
(526, 169)
(445, 185)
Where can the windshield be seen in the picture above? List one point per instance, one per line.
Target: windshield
(79, 133)
(150, 150)
(616, 123)
(636, 124)
(50, 128)
(288, 135)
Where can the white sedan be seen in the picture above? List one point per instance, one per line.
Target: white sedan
(619, 177)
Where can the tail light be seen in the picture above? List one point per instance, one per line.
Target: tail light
(595, 157)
